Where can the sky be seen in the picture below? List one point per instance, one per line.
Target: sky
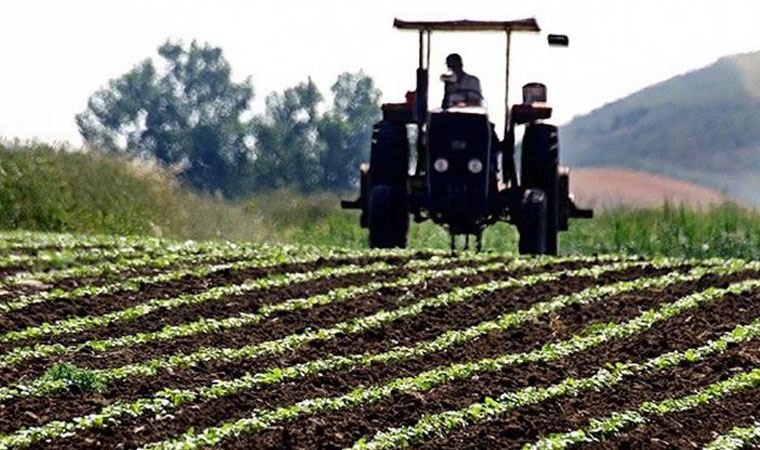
(54, 54)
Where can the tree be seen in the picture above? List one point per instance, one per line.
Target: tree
(298, 146)
(188, 116)
(347, 129)
(287, 139)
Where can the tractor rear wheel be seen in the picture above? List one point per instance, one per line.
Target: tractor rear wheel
(532, 225)
(388, 217)
(389, 155)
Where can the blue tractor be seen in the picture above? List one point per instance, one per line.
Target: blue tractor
(449, 166)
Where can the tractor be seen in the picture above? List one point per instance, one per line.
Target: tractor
(449, 166)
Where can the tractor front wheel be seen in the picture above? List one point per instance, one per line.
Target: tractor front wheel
(388, 217)
(532, 225)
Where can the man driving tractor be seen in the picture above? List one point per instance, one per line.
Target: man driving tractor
(461, 88)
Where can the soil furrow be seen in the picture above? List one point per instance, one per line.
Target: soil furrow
(72, 403)
(338, 429)
(92, 306)
(565, 414)
(248, 303)
(433, 322)
(72, 282)
(689, 429)
(293, 322)
(266, 397)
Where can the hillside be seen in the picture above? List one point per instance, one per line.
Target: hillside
(611, 187)
(703, 126)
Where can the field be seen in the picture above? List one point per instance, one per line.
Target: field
(112, 342)
(612, 186)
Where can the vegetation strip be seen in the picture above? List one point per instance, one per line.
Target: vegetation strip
(618, 421)
(256, 258)
(443, 423)
(64, 258)
(736, 439)
(45, 386)
(134, 283)
(276, 347)
(168, 399)
(203, 325)
(79, 324)
(32, 240)
(158, 257)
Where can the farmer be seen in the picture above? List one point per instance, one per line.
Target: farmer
(461, 88)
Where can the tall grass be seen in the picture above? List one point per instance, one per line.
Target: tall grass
(726, 230)
(54, 189)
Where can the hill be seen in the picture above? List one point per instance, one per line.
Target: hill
(702, 126)
(613, 187)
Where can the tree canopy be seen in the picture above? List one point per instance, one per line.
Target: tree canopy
(191, 115)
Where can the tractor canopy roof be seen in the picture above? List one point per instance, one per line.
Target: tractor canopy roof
(527, 25)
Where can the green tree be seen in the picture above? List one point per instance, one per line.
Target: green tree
(346, 129)
(189, 115)
(297, 145)
(287, 149)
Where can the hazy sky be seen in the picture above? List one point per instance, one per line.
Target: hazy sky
(54, 54)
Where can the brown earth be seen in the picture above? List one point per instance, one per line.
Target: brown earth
(614, 187)
(341, 428)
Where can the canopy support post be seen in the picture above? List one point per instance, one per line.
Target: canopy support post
(506, 86)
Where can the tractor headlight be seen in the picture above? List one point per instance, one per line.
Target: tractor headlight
(475, 166)
(441, 165)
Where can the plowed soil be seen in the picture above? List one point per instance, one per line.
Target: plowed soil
(344, 426)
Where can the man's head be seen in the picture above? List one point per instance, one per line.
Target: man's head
(454, 62)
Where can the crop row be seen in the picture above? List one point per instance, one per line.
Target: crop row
(350, 327)
(79, 324)
(619, 421)
(65, 258)
(21, 354)
(605, 378)
(76, 256)
(209, 261)
(32, 240)
(736, 439)
(157, 258)
(461, 371)
(250, 258)
(163, 401)
(203, 325)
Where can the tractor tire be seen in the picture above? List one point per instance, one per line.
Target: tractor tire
(532, 226)
(540, 170)
(389, 155)
(563, 221)
(388, 217)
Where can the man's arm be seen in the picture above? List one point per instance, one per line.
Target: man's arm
(476, 86)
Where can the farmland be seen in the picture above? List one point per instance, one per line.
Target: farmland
(110, 342)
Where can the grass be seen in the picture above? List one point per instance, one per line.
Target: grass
(52, 188)
(55, 189)
(726, 230)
